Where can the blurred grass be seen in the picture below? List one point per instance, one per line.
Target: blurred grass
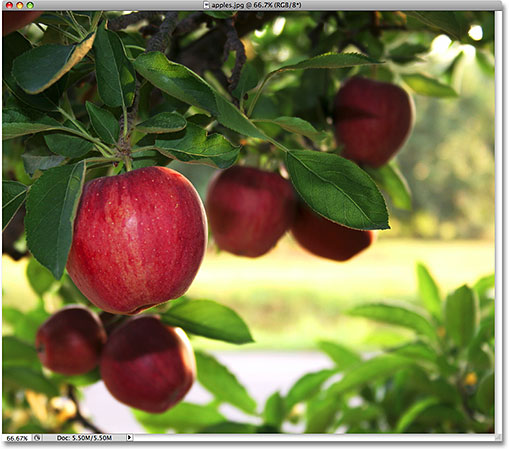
(290, 299)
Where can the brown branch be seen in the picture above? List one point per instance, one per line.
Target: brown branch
(233, 43)
(78, 417)
(191, 23)
(161, 39)
(119, 23)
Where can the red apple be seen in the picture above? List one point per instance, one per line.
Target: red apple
(328, 239)
(249, 210)
(14, 20)
(139, 239)
(70, 341)
(148, 365)
(372, 120)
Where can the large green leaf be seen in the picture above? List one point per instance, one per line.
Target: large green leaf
(485, 395)
(442, 20)
(461, 318)
(320, 414)
(14, 45)
(219, 381)
(330, 61)
(51, 209)
(39, 278)
(247, 81)
(183, 84)
(13, 196)
(38, 156)
(430, 87)
(337, 189)
(51, 62)
(104, 123)
(16, 352)
(116, 77)
(377, 368)
(15, 123)
(392, 181)
(429, 291)
(67, 144)
(193, 145)
(396, 315)
(275, 410)
(209, 319)
(417, 351)
(185, 417)
(343, 357)
(297, 126)
(307, 386)
(165, 122)
(27, 378)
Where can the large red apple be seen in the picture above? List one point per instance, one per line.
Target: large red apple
(372, 120)
(139, 239)
(328, 239)
(14, 20)
(70, 341)
(148, 365)
(249, 210)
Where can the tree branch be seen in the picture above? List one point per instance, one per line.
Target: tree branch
(78, 417)
(233, 43)
(119, 23)
(161, 39)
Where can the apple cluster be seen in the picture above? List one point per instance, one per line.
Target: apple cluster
(143, 363)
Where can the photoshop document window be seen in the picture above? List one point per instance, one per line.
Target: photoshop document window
(251, 221)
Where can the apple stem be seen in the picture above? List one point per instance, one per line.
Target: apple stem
(127, 163)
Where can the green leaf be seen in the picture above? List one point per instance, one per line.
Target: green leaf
(51, 62)
(330, 61)
(443, 20)
(396, 315)
(219, 381)
(337, 189)
(417, 351)
(377, 368)
(342, 356)
(320, 414)
(192, 145)
(15, 123)
(27, 378)
(413, 412)
(230, 427)
(307, 386)
(220, 14)
(37, 156)
(165, 122)
(275, 410)
(392, 181)
(16, 352)
(430, 87)
(51, 209)
(429, 291)
(82, 380)
(39, 278)
(485, 395)
(484, 288)
(297, 126)
(13, 196)
(68, 145)
(461, 316)
(209, 319)
(353, 416)
(116, 77)
(25, 324)
(104, 123)
(183, 417)
(14, 45)
(183, 84)
(247, 81)
(407, 52)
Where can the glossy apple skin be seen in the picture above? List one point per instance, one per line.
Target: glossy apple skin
(372, 120)
(148, 365)
(14, 20)
(249, 210)
(139, 239)
(70, 341)
(327, 239)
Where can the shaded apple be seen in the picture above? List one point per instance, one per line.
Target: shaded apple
(70, 341)
(328, 239)
(14, 20)
(148, 365)
(372, 120)
(249, 210)
(139, 239)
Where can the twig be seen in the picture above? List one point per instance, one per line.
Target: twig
(191, 23)
(233, 43)
(78, 417)
(119, 23)
(161, 39)
(123, 142)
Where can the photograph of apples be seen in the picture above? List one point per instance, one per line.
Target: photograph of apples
(248, 222)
